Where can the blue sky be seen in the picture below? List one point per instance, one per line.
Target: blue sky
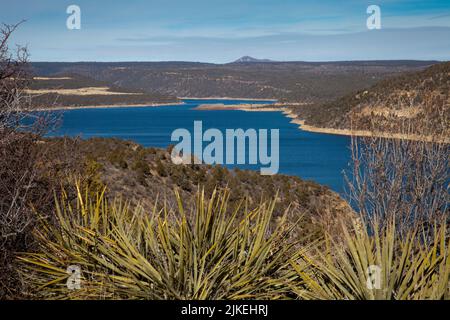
(222, 31)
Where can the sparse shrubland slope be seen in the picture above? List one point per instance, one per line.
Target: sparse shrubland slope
(409, 99)
(143, 175)
(74, 90)
(305, 82)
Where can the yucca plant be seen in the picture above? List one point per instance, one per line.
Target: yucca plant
(381, 265)
(209, 252)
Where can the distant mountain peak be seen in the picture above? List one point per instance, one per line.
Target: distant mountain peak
(248, 59)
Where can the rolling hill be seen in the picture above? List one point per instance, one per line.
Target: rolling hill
(248, 59)
(301, 82)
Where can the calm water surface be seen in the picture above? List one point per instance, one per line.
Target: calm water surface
(311, 156)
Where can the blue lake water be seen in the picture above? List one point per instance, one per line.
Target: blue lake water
(311, 156)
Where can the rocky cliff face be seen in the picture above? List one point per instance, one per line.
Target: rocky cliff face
(419, 100)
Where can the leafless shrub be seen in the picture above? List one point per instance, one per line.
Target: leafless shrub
(14, 78)
(20, 186)
(406, 178)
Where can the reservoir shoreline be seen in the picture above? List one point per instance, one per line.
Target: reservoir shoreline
(254, 107)
(305, 127)
(303, 152)
(110, 106)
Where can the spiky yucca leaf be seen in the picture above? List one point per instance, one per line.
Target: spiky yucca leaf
(204, 254)
(409, 268)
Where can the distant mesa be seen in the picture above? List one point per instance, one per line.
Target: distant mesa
(248, 59)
